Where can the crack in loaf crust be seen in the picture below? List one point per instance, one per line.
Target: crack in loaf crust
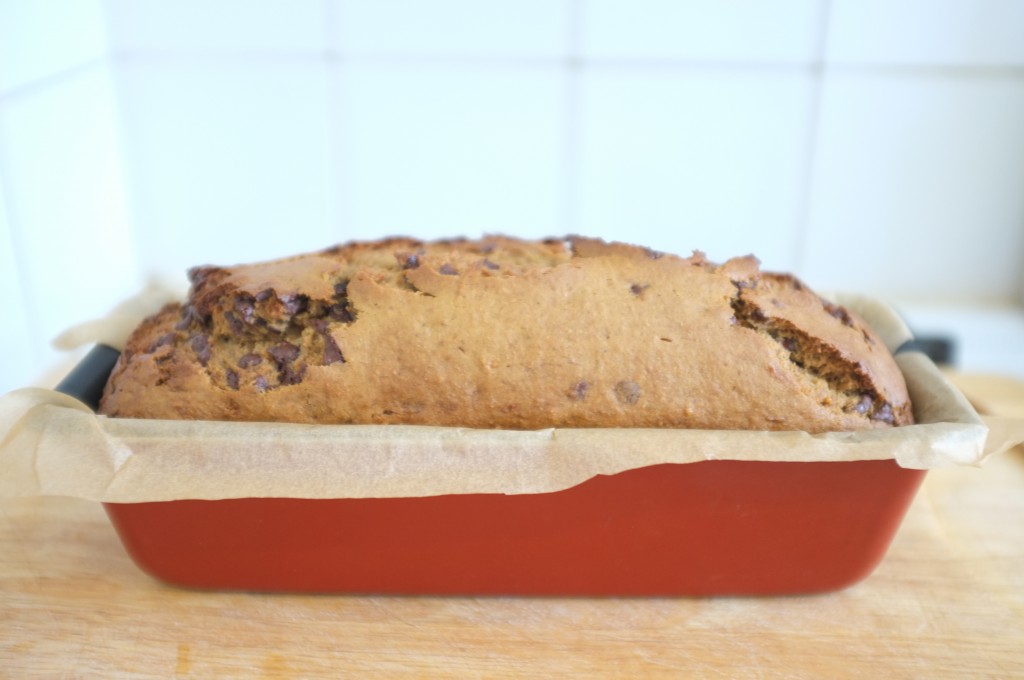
(506, 333)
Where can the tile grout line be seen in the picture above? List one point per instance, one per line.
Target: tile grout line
(332, 41)
(441, 60)
(124, 155)
(1018, 295)
(18, 251)
(129, 182)
(811, 138)
(931, 70)
(334, 62)
(571, 143)
(51, 80)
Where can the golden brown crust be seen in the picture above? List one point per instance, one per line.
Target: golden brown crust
(506, 333)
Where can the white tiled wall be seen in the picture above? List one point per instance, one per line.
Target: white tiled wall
(66, 245)
(67, 206)
(927, 32)
(466, 29)
(420, 153)
(728, 31)
(866, 145)
(228, 160)
(17, 353)
(41, 40)
(689, 159)
(944, 208)
(245, 28)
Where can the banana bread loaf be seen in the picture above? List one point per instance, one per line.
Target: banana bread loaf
(506, 333)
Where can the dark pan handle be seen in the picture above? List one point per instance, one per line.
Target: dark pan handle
(85, 382)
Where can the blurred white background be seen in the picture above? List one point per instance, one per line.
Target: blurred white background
(869, 146)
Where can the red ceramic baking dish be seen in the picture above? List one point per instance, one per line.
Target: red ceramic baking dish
(709, 528)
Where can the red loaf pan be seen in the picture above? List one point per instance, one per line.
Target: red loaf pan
(709, 528)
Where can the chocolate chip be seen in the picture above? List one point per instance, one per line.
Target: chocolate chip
(864, 405)
(884, 414)
(293, 304)
(839, 313)
(264, 295)
(341, 289)
(493, 266)
(165, 339)
(410, 262)
(232, 378)
(448, 270)
(789, 344)
(627, 392)
(339, 312)
(261, 384)
(245, 305)
(578, 392)
(283, 353)
(198, 275)
(744, 284)
(250, 360)
(637, 289)
(289, 375)
(757, 316)
(654, 254)
(201, 346)
(236, 326)
(188, 315)
(332, 353)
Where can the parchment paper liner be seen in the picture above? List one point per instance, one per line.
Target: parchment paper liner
(54, 445)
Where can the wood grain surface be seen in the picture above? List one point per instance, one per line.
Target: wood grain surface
(947, 602)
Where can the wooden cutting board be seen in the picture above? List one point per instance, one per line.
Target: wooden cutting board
(992, 394)
(947, 602)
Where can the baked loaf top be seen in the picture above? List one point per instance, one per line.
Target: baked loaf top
(504, 333)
